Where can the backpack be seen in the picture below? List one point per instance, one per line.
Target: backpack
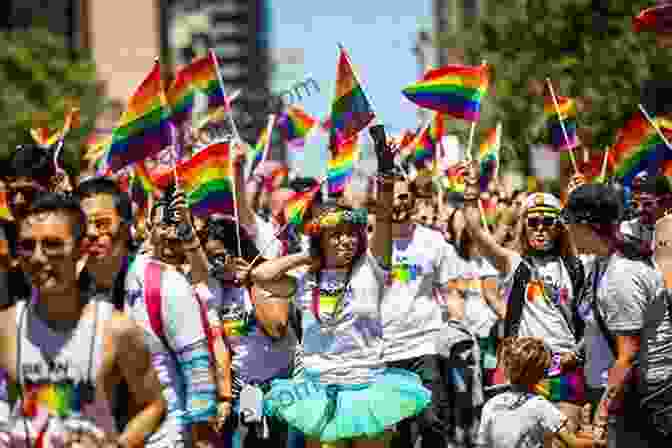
(154, 303)
(522, 276)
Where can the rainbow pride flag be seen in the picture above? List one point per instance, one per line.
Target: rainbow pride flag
(43, 136)
(144, 179)
(295, 125)
(639, 148)
(256, 153)
(144, 127)
(350, 111)
(341, 165)
(455, 179)
(296, 206)
(456, 90)
(5, 213)
(422, 150)
(207, 180)
(488, 157)
(489, 210)
(567, 109)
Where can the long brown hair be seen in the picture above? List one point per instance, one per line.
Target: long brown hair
(564, 246)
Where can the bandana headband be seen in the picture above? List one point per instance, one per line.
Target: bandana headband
(334, 218)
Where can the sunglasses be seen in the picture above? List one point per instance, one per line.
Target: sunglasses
(546, 221)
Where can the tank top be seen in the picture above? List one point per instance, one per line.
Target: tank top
(56, 374)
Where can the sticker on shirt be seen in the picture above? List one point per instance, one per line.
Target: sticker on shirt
(403, 271)
(538, 290)
(237, 321)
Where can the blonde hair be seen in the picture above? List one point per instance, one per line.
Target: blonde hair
(526, 361)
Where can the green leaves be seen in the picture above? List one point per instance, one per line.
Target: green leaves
(39, 75)
(603, 66)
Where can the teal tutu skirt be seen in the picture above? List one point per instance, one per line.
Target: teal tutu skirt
(339, 412)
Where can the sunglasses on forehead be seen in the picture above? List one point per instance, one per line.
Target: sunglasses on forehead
(545, 221)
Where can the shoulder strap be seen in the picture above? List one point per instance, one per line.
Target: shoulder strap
(153, 299)
(516, 299)
(577, 275)
(597, 315)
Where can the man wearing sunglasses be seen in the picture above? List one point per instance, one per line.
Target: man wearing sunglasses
(65, 338)
(543, 278)
(161, 298)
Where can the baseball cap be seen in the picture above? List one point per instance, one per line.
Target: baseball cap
(593, 204)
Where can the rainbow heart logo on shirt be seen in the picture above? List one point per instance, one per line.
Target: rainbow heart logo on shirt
(405, 273)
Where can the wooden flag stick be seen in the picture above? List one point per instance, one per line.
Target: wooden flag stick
(562, 125)
(603, 172)
(654, 126)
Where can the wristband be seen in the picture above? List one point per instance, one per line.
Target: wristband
(225, 399)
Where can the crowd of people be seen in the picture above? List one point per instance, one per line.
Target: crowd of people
(394, 318)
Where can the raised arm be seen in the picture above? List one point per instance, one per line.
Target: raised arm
(499, 256)
(277, 267)
(382, 237)
(246, 215)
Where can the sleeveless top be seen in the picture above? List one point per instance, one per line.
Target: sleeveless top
(57, 399)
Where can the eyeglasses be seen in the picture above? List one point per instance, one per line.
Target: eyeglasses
(340, 236)
(546, 221)
(52, 248)
(103, 226)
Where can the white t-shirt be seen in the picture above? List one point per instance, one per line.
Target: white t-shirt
(540, 317)
(411, 313)
(343, 346)
(624, 292)
(518, 420)
(479, 317)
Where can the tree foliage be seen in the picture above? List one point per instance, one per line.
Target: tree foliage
(586, 47)
(39, 77)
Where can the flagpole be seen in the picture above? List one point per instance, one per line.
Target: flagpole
(603, 173)
(654, 126)
(237, 140)
(269, 133)
(229, 113)
(562, 125)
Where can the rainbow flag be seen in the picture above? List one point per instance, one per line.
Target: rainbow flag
(295, 125)
(567, 108)
(5, 213)
(207, 180)
(656, 18)
(43, 135)
(456, 90)
(489, 211)
(639, 148)
(350, 111)
(201, 75)
(144, 179)
(488, 157)
(144, 127)
(341, 165)
(296, 206)
(422, 150)
(455, 179)
(257, 151)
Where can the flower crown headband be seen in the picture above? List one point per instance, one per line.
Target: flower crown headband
(332, 218)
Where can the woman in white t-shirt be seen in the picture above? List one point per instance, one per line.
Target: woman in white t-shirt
(345, 393)
(477, 284)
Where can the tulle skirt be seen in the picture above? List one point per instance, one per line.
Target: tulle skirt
(338, 412)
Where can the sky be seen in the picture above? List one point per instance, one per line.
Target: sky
(379, 36)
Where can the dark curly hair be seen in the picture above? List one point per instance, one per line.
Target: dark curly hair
(223, 229)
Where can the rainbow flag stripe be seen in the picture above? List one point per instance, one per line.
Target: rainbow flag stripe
(296, 206)
(488, 158)
(423, 150)
(639, 147)
(489, 211)
(455, 90)
(566, 387)
(567, 108)
(341, 165)
(143, 177)
(350, 111)
(207, 180)
(59, 400)
(144, 127)
(295, 125)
